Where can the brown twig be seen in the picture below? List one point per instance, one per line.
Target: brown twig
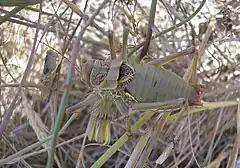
(11, 13)
(125, 43)
(112, 45)
(149, 31)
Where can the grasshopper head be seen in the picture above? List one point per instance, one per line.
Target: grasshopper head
(95, 72)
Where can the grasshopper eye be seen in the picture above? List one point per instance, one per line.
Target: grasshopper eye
(126, 74)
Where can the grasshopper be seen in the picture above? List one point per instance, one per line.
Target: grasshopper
(120, 86)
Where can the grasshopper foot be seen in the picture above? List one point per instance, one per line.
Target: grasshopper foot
(199, 89)
(128, 127)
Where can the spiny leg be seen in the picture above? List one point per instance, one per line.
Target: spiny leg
(122, 102)
(177, 103)
(162, 61)
(87, 101)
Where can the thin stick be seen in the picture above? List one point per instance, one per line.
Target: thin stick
(125, 43)
(83, 15)
(11, 13)
(31, 85)
(111, 45)
(149, 31)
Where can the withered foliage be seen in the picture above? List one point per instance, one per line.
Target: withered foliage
(206, 139)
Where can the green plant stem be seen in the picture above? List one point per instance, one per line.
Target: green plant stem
(18, 2)
(122, 140)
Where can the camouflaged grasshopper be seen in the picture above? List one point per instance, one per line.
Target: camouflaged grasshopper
(49, 73)
(119, 86)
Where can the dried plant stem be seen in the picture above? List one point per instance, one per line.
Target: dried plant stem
(21, 154)
(14, 149)
(83, 15)
(11, 13)
(149, 30)
(235, 151)
(125, 43)
(9, 111)
(146, 143)
(31, 85)
(170, 28)
(19, 2)
(112, 45)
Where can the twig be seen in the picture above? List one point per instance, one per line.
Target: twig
(19, 2)
(84, 16)
(125, 43)
(112, 45)
(234, 154)
(7, 69)
(149, 31)
(32, 85)
(14, 149)
(11, 13)
(221, 91)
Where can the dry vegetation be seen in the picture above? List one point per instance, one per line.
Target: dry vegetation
(208, 138)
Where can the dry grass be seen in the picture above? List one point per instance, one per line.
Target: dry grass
(201, 139)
